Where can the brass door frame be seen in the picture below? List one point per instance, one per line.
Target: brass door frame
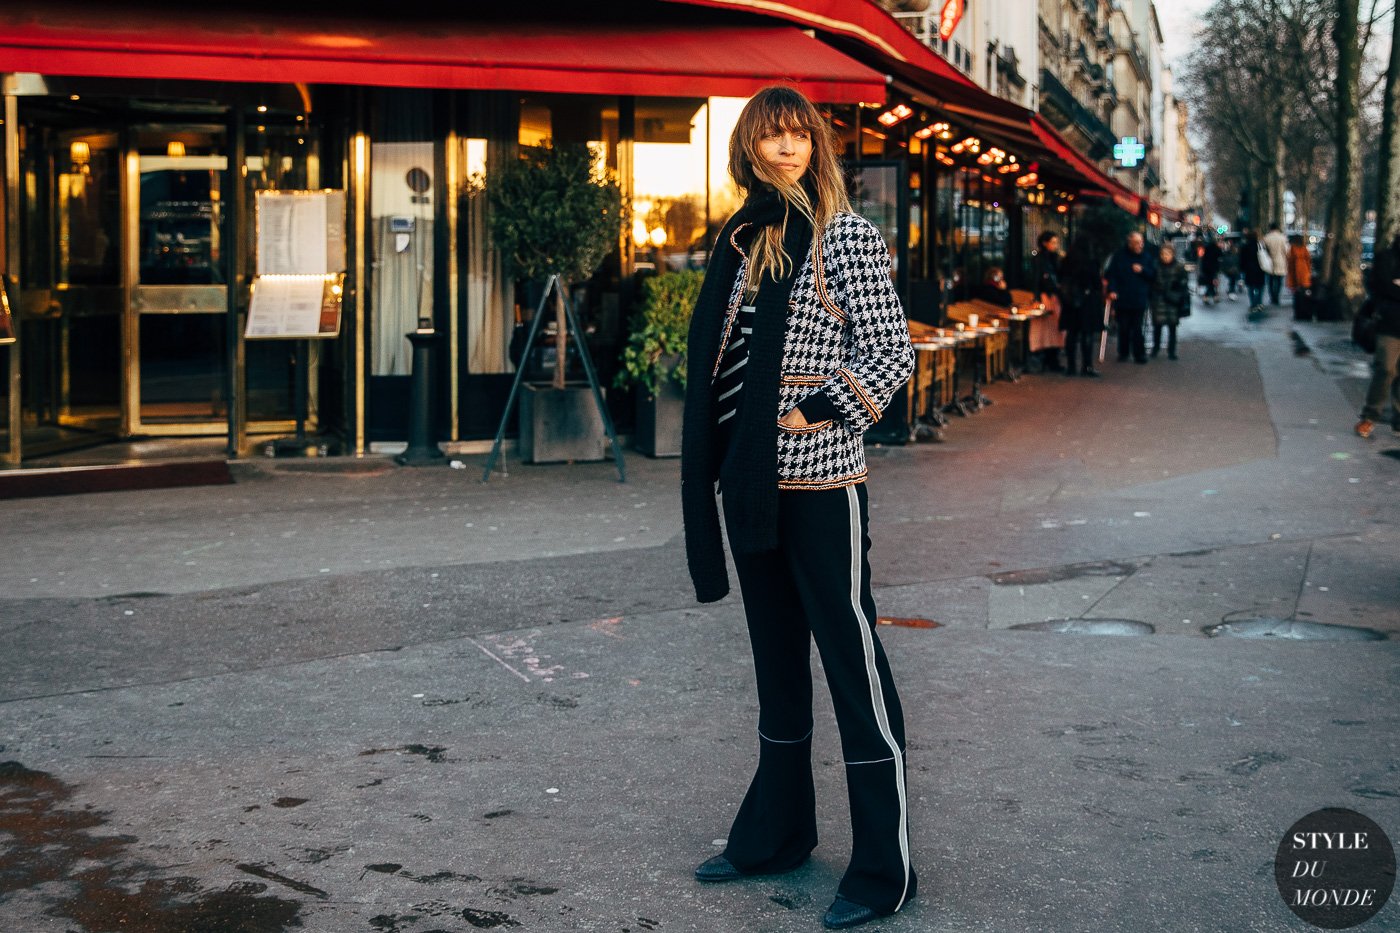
(12, 263)
(141, 300)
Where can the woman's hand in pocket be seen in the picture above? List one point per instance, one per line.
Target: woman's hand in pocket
(793, 419)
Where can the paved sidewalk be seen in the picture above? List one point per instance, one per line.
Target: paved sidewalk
(401, 700)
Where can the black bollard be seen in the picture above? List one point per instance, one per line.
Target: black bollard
(421, 449)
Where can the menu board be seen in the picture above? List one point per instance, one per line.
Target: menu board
(294, 306)
(301, 232)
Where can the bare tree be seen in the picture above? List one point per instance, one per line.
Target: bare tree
(1388, 198)
(1343, 270)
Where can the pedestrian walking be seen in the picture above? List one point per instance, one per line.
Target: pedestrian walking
(1046, 270)
(1130, 274)
(1171, 299)
(1209, 272)
(804, 339)
(1230, 268)
(1300, 277)
(1255, 265)
(1276, 244)
(1385, 381)
(1081, 306)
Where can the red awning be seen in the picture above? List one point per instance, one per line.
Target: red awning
(578, 58)
(868, 32)
(1062, 150)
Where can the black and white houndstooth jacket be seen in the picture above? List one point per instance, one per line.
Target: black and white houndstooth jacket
(845, 353)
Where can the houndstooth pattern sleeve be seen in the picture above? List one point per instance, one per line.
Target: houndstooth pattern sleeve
(878, 356)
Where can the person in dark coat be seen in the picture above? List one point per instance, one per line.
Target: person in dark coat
(1046, 276)
(1209, 260)
(805, 341)
(1385, 362)
(1255, 275)
(1171, 295)
(1130, 274)
(994, 290)
(1230, 268)
(1081, 306)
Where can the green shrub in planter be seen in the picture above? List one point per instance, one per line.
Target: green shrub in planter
(657, 347)
(552, 212)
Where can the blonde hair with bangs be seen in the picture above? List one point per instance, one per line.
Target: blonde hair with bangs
(774, 109)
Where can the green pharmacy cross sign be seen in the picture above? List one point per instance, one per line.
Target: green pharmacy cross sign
(1129, 152)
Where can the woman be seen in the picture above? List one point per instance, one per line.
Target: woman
(1171, 295)
(1081, 306)
(797, 343)
(1255, 275)
(994, 289)
(1046, 274)
(1299, 274)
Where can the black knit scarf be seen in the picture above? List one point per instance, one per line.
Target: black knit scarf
(749, 474)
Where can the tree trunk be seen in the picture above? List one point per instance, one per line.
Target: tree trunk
(1345, 293)
(1388, 198)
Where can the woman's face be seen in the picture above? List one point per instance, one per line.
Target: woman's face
(787, 151)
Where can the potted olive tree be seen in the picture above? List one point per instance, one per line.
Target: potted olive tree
(654, 360)
(554, 217)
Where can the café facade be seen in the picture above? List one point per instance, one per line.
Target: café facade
(140, 141)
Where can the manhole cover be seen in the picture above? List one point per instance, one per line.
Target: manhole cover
(1288, 628)
(1088, 627)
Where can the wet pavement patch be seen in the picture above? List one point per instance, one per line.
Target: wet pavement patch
(434, 753)
(98, 884)
(1088, 627)
(1039, 575)
(1291, 629)
(488, 919)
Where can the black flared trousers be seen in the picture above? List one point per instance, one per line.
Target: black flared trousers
(816, 586)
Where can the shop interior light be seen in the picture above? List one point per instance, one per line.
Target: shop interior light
(945, 158)
(970, 144)
(175, 149)
(262, 108)
(896, 114)
(80, 153)
(941, 130)
(1027, 180)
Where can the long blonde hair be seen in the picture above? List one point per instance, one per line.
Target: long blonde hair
(778, 108)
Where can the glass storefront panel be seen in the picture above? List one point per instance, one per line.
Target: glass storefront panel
(180, 295)
(669, 181)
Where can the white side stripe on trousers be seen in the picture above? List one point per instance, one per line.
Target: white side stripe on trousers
(877, 695)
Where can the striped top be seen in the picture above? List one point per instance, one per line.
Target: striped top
(729, 382)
